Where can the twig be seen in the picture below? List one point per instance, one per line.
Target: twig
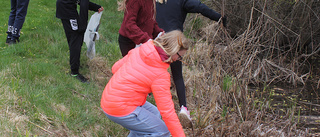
(307, 55)
(193, 24)
(248, 28)
(318, 84)
(311, 9)
(40, 127)
(220, 20)
(222, 9)
(288, 71)
(249, 61)
(238, 107)
(192, 130)
(45, 118)
(309, 103)
(107, 74)
(277, 22)
(79, 94)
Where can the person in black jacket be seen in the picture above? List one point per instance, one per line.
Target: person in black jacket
(16, 19)
(170, 16)
(74, 25)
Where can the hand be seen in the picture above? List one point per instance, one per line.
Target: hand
(100, 9)
(224, 21)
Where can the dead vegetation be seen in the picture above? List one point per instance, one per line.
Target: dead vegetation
(266, 42)
(99, 71)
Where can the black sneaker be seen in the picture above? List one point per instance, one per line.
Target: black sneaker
(8, 40)
(13, 41)
(80, 77)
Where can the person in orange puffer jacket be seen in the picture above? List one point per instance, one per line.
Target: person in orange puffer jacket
(142, 71)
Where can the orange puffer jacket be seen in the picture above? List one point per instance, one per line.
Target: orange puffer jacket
(134, 77)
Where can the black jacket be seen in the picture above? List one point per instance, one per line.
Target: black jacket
(171, 15)
(67, 9)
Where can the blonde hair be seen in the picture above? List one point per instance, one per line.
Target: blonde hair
(123, 3)
(172, 42)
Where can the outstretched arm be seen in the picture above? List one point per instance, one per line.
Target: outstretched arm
(162, 95)
(195, 6)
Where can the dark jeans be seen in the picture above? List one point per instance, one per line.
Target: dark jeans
(125, 45)
(75, 41)
(176, 70)
(17, 17)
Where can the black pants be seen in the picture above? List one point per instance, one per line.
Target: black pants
(176, 70)
(75, 41)
(125, 45)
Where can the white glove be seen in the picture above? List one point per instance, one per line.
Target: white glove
(159, 35)
(138, 45)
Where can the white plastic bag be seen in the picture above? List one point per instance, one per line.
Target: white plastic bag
(91, 34)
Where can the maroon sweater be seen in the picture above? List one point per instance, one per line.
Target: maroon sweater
(139, 23)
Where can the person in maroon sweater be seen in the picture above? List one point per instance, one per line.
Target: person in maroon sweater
(139, 24)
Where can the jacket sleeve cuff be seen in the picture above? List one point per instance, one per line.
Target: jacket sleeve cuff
(94, 7)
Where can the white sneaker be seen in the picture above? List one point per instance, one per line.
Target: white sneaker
(184, 117)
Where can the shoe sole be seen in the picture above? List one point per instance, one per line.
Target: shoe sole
(81, 80)
(184, 120)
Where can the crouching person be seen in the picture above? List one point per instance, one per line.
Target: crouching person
(142, 71)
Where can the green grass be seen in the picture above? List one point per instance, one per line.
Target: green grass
(37, 96)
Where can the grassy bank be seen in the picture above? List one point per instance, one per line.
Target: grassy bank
(38, 97)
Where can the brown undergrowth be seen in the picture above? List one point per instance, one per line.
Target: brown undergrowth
(217, 78)
(263, 45)
(268, 42)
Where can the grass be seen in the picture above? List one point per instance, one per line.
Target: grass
(38, 97)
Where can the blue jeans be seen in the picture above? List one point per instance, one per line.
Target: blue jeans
(145, 121)
(17, 17)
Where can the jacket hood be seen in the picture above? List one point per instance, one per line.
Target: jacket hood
(150, 55)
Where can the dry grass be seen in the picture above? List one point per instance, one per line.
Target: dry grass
(263, 44)
(100, 72)
(259, 46)
(13, 118)
(267, 47)
(9, 113)
(219, 112)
